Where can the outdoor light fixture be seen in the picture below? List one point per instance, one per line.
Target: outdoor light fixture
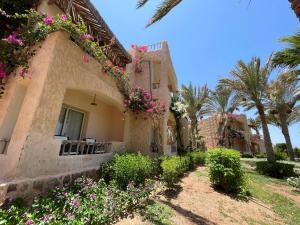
(94, 101)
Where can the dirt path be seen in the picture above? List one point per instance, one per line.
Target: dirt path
(197, 203)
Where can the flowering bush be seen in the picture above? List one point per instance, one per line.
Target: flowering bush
(86, 202)
(138, 59)
(179, 109)
(140, 100)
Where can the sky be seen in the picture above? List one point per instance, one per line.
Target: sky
(207, 37)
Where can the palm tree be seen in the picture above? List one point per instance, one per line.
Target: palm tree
(249, 81)
(283, 94)
(289, 57)
(255, 124)
(194, 98)
(222, 102)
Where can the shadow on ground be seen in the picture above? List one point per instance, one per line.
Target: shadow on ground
(199, 220)
(172, 193)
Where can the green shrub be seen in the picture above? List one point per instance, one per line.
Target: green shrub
(134, 168)
(197, 157)
(225, 169)
(281, 155)
(156, 165)
(173, 169)
(86, 202)
(297, 152)
(158, 214)
(249, 156)
(107, 171)
(275, 169)
(261, 155)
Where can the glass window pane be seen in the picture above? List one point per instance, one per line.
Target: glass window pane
(73, 125)
(60, 123)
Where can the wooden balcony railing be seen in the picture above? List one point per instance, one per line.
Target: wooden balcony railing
(69, 148)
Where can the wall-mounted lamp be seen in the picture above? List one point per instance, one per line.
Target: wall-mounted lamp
(94, 101)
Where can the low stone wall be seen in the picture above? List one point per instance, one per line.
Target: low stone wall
(30, 188)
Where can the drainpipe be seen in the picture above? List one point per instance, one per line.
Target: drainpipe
(150, 72)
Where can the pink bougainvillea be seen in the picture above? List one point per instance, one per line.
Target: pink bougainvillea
(139, 57)
(49, 20)
(85, 37)
(2, 70)
(13, 39)
(64, 17)
(141, 100)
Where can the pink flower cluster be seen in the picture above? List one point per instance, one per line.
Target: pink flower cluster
(13, 39)
(85, 37)
(141, 49)
(141, 100)
(64, 17)
(3, 73)
(49, 20)
(109, 67)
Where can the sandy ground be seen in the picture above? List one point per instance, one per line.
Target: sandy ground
(196, 203)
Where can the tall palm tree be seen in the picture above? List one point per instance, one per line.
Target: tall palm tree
(195, 99)
(283, 94)
(255, 124)
(222, 102)
(249, 81)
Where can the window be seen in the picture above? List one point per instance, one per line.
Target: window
(70, 123)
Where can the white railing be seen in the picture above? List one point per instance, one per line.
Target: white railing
(69, 148)
(155, 47)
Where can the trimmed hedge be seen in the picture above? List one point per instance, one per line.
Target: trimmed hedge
(173, 169)
(127, 168)
(275, 169)
(197, 158)
(225, 169)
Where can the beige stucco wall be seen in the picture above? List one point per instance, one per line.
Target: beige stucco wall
(103, 122)
(56, 68)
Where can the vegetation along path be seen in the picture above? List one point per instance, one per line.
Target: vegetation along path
(196, 202)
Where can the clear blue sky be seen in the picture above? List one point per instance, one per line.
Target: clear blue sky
(207, 37)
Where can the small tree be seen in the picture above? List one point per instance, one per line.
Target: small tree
(194, 98)
(222, 102)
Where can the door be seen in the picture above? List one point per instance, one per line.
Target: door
(73, 125)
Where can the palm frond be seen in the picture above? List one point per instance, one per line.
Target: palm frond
(163, 9)
(141, 3)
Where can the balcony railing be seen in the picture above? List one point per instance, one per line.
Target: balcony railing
(155, 47)
(69, 148)
(3, 145)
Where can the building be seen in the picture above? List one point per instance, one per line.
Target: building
(238, 132)
(69, 118)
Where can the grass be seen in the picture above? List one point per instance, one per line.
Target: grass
(252, 161)
(259, 187)
(281, 205)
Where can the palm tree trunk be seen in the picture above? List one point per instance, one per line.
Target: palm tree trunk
(267, 138)
(194, 133)
(286, 134)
